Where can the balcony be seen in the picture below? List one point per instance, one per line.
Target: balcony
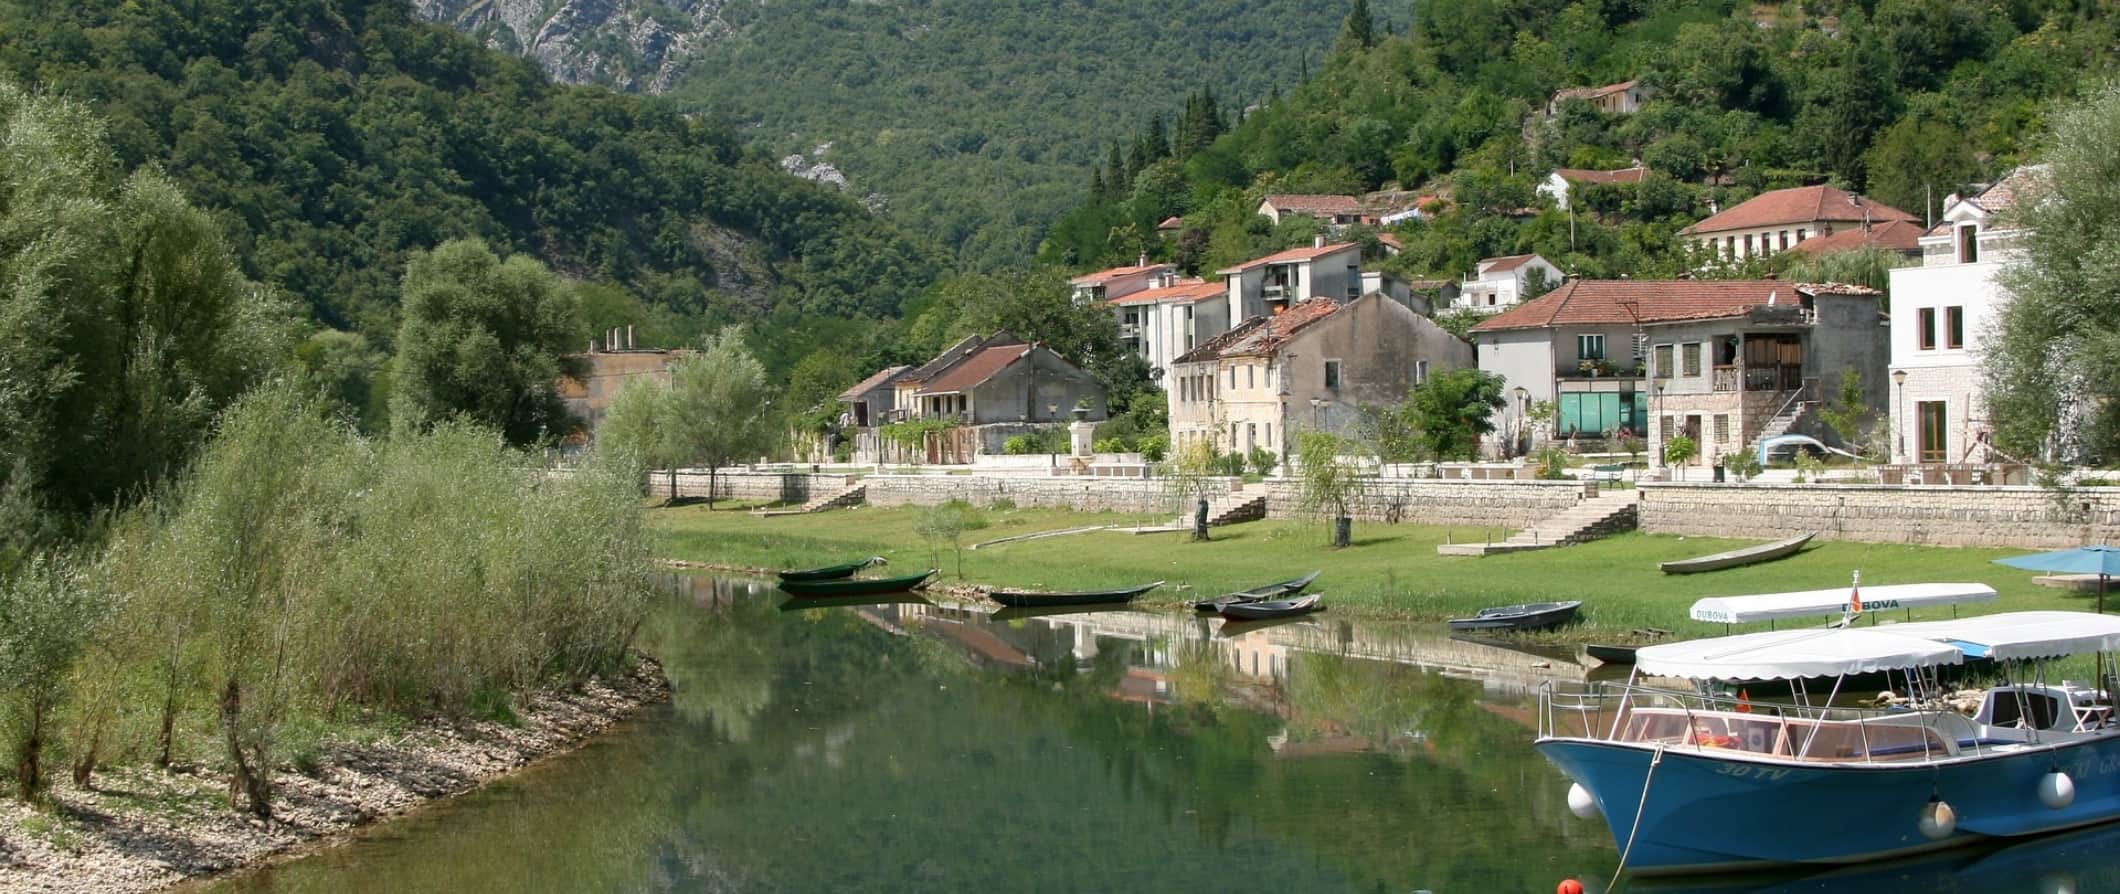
(1129, 330)
(1725, 378)
(1783, 377)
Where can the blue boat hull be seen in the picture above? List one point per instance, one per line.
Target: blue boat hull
(1707, 812)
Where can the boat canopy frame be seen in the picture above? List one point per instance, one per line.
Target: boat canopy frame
(1835, 600)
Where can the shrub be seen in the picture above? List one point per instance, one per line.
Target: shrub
(1155, 448)
(1263, 461)
(1228, 464)
(1744, 464)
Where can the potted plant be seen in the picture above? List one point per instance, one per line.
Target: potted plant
(1586, 367)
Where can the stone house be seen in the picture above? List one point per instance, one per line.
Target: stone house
(1271, 284)
(1315, 364)
(1004, 383)
(1777, 221)
(1170, 318)
(1118, 282)
(1497, 284)
(870, 402)
(1334, 210)
(1623, 98)
(1942, 310)
(1598, 349)
(1562, 181)
(611, 364)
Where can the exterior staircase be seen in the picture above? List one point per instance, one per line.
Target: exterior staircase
(1230, 508)
(851, 495)
(1592, 518)
(1780, 424)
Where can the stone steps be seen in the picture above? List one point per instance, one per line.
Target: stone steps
(1228, 509)
(851, 495)
(1591, 519)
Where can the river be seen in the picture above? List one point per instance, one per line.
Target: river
(931, 748)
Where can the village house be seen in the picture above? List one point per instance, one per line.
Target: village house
(995, 380)
(1314, 365)
(1501, 283)
(610, 364)
(1118, 282)
(1623, 98)
(1271, 284)
(870, 401)
(1171, 227)
(1900, 237)
(1172, 317)
(1335, 210)
(1941, 310)
(1780, 220)
(1724, 362)
(1562, 181)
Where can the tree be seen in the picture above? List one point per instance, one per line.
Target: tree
(1358, 31)
(1328, 480)
(636, 429)
(1679, 451)
(47, 615)
(1847, 412)
(2052, 367)
(947, 523)
(720, 410)
(1454, 409)
(485, 339)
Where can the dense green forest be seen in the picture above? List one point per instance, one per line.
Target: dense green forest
(977, 122)
(332, 139)
(1906, 100)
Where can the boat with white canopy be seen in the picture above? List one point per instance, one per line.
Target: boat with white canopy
(1690, 780)
(1836, 600)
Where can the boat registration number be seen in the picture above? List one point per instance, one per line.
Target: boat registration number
(1750, 771)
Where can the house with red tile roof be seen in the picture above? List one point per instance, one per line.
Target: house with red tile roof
(1777, 221)
(1498, 284)
(1270, 284)
(871, 400)
(1563, 181)
(1623, 98)
(1337, 210)
(1941, 311)
(1118, 282)
(1315, 364)
(994, 380)
(1171, 317)
(1901, 237)
(1723, 362)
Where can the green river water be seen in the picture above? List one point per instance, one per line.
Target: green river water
(920, 748)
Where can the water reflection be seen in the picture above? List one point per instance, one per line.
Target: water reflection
(917, 746)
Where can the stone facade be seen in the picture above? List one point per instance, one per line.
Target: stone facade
(787, 487)
(1428, 501)
(2028, 517)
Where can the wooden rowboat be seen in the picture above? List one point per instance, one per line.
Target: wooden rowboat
(830, 572)
(1529, 616)
(1764, 552)
(1279, 590)
(1025, 599)
(862, 587)
(1272, 608)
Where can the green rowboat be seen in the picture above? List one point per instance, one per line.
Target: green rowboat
(831, 572)
(862, 587)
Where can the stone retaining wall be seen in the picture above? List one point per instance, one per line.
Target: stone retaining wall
(1073, 492)
(2030, 517)
(786, 487)
(1501, 504)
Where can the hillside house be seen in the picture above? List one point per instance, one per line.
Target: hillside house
(870, 401)
(1563, 181)
(1314, 365)
(1498, 284)
(1269, 285)
(1173, 317)
(609, 365)
(1900, 237)
(1941, 311)
(1623, 98)
(1720, 360)
(1335, 210)
(1778, 221)
(1118, 282)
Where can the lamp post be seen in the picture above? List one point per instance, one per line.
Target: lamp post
(1656, 409)
(1899, 422)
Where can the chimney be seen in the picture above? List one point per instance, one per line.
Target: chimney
(1317, 241)
(1143, 262)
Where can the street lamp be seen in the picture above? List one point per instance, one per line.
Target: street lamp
(1656, 409)
(1899, 422)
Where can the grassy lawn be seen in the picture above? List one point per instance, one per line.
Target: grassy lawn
(1391, 571)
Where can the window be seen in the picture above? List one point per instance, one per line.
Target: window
(1420, 371)
(1691, 352)
(1932, 420)
(1641, 348)
(1968, 244)
(1802, 234)
(1669, 429)
(1332, 373)
(1722, 428)
(1269, 433)
(1251, 436)
(1730, 246)
(1269, 380)
(1232, 378)
(1663, 361)
(1590, 347)
(1184, 389)
(1233, 436)
(1785, 240)
(1954, 327)
(1925, 322)
(1354, 281)
(1251, 375)
(1748, 245)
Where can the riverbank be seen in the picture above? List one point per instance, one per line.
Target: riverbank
(142, 829)
(1392, 571)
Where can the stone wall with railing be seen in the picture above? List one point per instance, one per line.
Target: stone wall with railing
(2027, 517)
(1089, 494)
(1498, 504)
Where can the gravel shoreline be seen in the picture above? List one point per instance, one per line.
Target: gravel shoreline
(143, 829)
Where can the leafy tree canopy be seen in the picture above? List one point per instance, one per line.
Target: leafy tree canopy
(484, 339)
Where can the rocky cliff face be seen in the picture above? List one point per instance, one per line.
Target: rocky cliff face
(634, 45)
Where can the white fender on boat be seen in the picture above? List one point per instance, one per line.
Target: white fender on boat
(1582, 803)
(2059, 881)
(2056, 790)
(1938, 820)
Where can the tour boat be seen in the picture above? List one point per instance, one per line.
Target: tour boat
(1689, 780)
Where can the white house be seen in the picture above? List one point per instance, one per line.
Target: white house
(1940, 312)
(1774, 222)
(1623, 98)
(1501, 283)
(1171, 317)
(1271, 284)
(1118, 282)
(1563, 180)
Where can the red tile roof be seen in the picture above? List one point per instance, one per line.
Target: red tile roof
(1622, 175)
(1316, 204)
(1803, 204)
(1600, 302)
(1391, 240)
(1185, 292)
(1103, 276)
(1506, 263)
(1260, 336)
(1594, 92)
(1171, 223)
(976, 369)
(1305, 253)
(1892, 235)
(872, 382)
(2000, 195)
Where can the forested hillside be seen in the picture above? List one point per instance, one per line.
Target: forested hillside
(975, 121)
(333, 138)
(1905, 100)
